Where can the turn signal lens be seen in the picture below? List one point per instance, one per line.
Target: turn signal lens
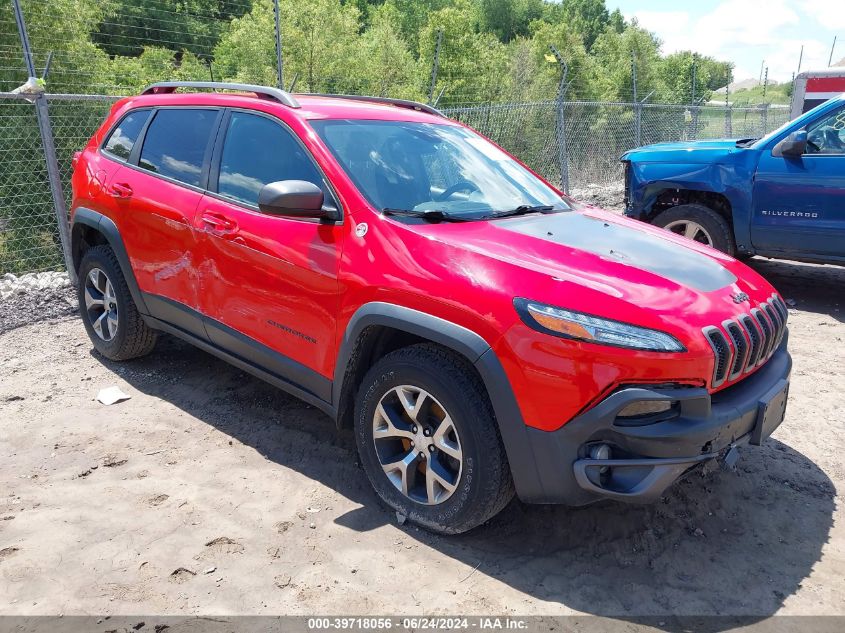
(593, 329)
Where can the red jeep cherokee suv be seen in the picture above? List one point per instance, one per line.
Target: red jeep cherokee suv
(481, 332)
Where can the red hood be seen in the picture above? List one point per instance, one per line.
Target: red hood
(604, 264)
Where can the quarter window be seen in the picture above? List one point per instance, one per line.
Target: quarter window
(123, 138)
(258, 151)
(175, 143)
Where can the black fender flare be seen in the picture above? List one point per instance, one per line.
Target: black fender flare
(477, 351)
(108, 229)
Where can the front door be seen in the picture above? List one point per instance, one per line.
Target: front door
(268, 283)
(799, 202)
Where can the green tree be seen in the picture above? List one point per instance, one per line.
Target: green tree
(616, 22)
(589, 18)
(385, 65)
(677, 71)
(472, 64)
(581, 68)
(414, 15)
(318, 41)
(614, 53)
(508, 19)
(129, 26)
(62, 27)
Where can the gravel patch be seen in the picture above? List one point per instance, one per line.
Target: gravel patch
(610, 197)
(34, 297)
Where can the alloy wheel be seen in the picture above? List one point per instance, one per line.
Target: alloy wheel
(101, 304)
(690, 230)
(417, 445)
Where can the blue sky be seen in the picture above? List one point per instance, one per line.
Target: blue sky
(746, 32)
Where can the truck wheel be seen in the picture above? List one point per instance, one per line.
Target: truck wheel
(111, 319)
(698, 223)
(429, 441)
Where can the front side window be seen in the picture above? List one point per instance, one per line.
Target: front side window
(175, 143)
(122, 139)
(258, 151)
(828, 135)
(425, 166)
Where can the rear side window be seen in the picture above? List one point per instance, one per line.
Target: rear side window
(122, 139)
(175, 143)
(258, 151)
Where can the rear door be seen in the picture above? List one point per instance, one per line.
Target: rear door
(269, 283)
(159, 188)
(799, 202)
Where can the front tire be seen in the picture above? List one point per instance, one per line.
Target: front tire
(111, 318)
(700, 224)
(429, 441)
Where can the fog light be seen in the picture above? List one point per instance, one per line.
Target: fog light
(601, 451)
(642, 408)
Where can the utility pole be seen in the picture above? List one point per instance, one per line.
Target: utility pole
(766, 82)
(560, 128)
(634, 75)
(693, 79)
(638, 108)
(280, 68)
(36, 90)
(434, 66)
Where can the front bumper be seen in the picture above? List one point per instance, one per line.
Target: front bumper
(646, 459)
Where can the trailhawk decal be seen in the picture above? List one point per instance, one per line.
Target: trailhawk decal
(627, 246)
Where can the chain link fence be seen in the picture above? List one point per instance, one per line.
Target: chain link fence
(578, 143)
(583, 147)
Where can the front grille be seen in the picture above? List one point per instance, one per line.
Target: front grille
(722, 350)
(744, 343)
(740, 344)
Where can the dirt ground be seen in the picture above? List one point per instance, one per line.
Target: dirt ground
(210, 492)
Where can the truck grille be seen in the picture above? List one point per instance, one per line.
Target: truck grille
(746, 342)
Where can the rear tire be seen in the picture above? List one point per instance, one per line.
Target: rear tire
(108, 311)
(699, 223)
(404, 403)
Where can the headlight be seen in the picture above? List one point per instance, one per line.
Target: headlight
(585, 327)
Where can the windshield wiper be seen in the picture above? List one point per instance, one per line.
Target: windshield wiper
(432, 215)
(522, 209)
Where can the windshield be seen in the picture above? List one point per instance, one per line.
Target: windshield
(419, 167)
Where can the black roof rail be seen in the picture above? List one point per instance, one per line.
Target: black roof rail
(401, 103)
(166, 87)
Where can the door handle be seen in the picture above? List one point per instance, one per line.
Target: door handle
(121, 190)
(219, 223)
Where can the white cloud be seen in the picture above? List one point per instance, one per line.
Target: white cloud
(749, 32)
(828, 13)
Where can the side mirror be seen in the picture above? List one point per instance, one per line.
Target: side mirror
(793, 145)
(294, 198)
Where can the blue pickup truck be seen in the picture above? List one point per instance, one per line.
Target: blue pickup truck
(781, 196)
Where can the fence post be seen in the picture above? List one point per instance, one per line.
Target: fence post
(45, 129)
(434, 65)
(638, 108)
(764, 118)
(560, 122)
(280, 67)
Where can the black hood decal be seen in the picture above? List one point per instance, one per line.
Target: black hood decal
(627, 246)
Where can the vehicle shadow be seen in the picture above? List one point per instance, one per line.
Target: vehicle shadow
(812, 287)
(722, 544)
